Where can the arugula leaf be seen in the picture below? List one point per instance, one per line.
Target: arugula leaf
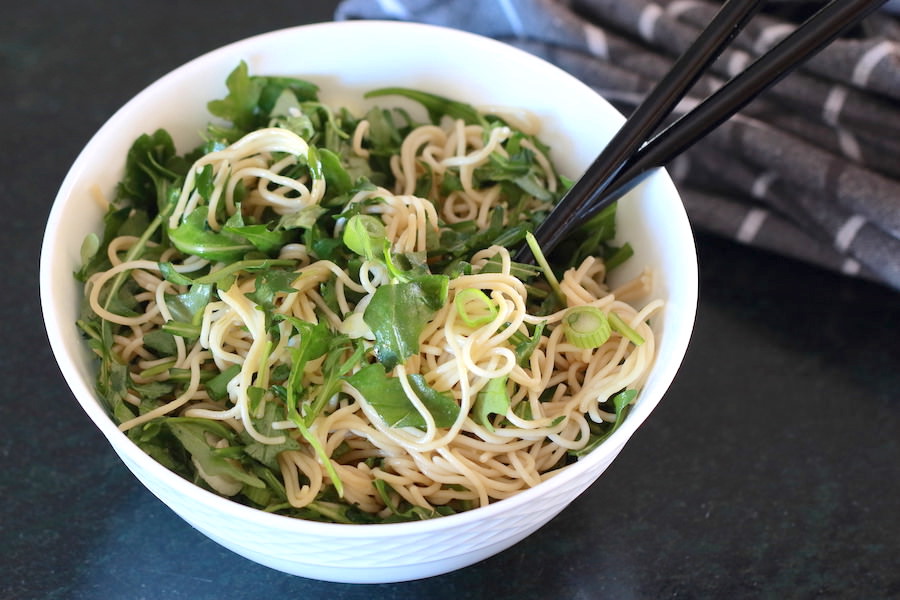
(153, 390)
(241, 105)
(385, 395)
(398, 313)
(263, 239)
(314, 340)
(334, 367)
(192, 435)
(167, 270)
(365, 235)
(160, 342)
(600, 433)
(267, 454)
(406, 512)
(525, 348)
(589, 239)
(151, 165)
(304, 218)
(268, 283)
(193, 236)
(216, 387)
(274, 87)
(188, 307)
(492, 399)
(437, 106)
(384, 136)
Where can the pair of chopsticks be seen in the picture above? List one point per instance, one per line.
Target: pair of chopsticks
(632, 154)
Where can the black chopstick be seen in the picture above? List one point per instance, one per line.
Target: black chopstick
(806, 40)
(646, 118)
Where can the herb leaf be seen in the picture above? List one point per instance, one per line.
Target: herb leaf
(492, 399)
(385, 394)
(599, 434)
(192, 435)
(437, 106)
(398, 313)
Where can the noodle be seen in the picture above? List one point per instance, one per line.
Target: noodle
(338, 449)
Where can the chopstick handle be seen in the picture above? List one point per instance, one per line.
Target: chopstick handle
(645, 119)
(805, 41)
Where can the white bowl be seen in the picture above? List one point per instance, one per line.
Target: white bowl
(340, 58)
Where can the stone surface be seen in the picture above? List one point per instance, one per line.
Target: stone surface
(769, 470)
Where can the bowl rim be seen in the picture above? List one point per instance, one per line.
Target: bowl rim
(92, 405)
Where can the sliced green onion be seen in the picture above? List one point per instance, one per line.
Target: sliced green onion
(545, 267)
(484, 311)
(617, 324)
(586, 326)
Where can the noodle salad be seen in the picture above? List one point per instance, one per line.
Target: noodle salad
(317, 314)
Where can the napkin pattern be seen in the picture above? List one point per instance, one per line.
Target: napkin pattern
(810, 169)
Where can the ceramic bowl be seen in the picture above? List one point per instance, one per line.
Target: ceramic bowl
(347, 59)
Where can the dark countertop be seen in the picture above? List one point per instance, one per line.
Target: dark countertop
(771, 468)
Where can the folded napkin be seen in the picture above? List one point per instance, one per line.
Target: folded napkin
(810, 169)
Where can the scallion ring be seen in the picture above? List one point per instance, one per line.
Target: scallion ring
(474, 307)
(586, 326)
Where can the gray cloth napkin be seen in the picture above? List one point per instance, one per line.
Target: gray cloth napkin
(810, 169)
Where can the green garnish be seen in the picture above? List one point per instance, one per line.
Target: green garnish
(586, 326)
(474, 307)
(617, 324)
(545, 267)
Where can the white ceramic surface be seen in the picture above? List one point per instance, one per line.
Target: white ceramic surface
(339, 57)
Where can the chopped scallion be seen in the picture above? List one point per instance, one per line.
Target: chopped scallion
(586, 326)
(545, 267)
(474, 307)
(617, 324)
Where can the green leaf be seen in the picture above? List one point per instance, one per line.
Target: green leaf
(162, 343)
(153, 390)
(150, 165)
(270, 282)
(113, 221)
(493, 399)
(304, 218)
(407, 512)
(590, 238)
(267, 454)
(188, 307)
(192, 435)
(216, 387)
(600, 433)
(334, 367)
(524, 349)
(314, 342)
(398, 313)
(337, 180)
(274, 87)
(167, 270)
(437, 106)
(263, 239)
(240, 106)
(365, 235)
(194, 237)
(189, 331)
(385, 395)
